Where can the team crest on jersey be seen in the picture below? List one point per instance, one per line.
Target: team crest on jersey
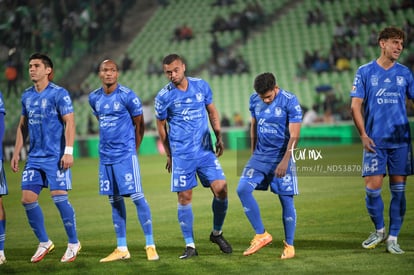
(374, 80)
(67, 99)
(278, 111)
(400, 80)
(44, 103)
(117, 105)
(199, 97)
(128, 177)
(136, 101)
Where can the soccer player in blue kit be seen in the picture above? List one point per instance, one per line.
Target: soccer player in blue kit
(183, 108)
(121, 130)
(379, 93)
(276, 118)
(48, 119)
(3, 183)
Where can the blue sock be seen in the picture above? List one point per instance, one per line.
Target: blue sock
(2, 233)
(144, 216)
(375, 207)
(251, 208)
(397, 207)
(119, 219)
(219, 212)
(35, 217)
(186, 218)
(68, 216)
(289, 217)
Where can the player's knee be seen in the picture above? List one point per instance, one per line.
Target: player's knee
(373, 193)
(244, 188)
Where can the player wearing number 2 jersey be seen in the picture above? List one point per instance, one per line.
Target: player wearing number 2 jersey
(379, 94)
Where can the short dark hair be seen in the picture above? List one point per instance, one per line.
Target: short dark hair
(264, 82)
(171, 58)
(391, 32)
(45, 59)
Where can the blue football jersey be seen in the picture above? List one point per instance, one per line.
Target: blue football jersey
(116, 127)
(384, 93)
(44, 112)
(3, 111)
(273, 124)
(187, 117)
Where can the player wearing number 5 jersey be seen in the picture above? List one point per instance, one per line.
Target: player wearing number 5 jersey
(47, 118)
(121, 129)
(379, 94)
(276, 118)
(183, 108)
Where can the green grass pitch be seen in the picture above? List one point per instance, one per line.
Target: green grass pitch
(331, 224)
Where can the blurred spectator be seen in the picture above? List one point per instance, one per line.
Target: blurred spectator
(153, 68)
(11, 76)
(215, 47)
(315, 16)
(373, 38)
(228, 63)
(311, 116)
(126, 63)
(358, 52)
(343, 64)
(225, 121)
(220, 3)
(321, 65)
(219, 24)
(237, 119)
(328, 117)
(310, 58)
(68, 29)
(183, 32)
(116, 32)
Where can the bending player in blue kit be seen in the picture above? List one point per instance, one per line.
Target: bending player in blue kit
(184, 106)
(378, 107)
(121, 129)
(276, 118)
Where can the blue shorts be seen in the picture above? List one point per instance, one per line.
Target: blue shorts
(398, 161)
(262, 174)
(38, 175)
(184, 171)
(3, 181)
(122, 178)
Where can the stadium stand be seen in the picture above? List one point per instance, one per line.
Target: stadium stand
(277, 46)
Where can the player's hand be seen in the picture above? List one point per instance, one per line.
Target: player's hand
(368, 144)
(281, 168)
(14, 163)
(168, 164)
(66, 161)
(219, 147)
